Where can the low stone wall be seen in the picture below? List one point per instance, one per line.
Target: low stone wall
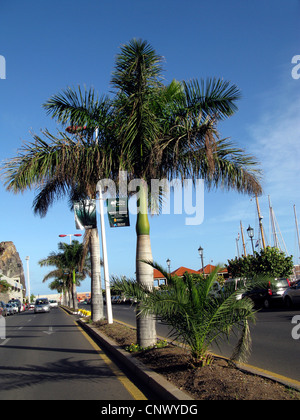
(4, 297)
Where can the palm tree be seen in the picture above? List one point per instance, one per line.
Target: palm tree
(169, 132)
(66, 165)
(148, 129)
(67, 262)
(196, 316)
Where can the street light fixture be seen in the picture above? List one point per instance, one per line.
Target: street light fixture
(169, 268)
(250, 232)
(70, 235)
(169, 264)
(200, 250)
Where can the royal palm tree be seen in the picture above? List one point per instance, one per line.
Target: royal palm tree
(148, 129)
(170, 132)
(67, 165)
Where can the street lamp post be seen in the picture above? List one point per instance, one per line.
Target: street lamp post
(28, 279)
(250, 232)
(168, 264)
(169, 268)
(200, 250)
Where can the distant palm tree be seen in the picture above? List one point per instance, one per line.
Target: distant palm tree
(148, 129)
(70, 260)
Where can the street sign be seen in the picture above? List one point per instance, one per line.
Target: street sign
(85, 214)
(117, 210)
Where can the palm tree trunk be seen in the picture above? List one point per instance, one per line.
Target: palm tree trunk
(146, 325)
(70, 299)
(74, 292)
(96, 289)
(65, 297)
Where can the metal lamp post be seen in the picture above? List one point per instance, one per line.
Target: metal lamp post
(200, 250)
(169, 268)
(28, 279)
(250, 232)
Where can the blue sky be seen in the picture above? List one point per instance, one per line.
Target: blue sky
(49, 45)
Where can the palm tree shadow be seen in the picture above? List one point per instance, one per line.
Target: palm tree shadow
(64, 370)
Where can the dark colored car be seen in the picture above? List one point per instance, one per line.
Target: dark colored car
(272, 294)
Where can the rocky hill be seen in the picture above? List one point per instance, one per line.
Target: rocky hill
(10, 262)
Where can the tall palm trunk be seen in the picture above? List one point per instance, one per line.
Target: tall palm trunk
(70, 299)
(146, 325)
(96, 289)
(74, 292)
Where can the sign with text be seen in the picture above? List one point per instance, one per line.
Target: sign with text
(117, 210)
(85, 214)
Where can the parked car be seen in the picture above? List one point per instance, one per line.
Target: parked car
(292, 295)
(231, 286)
(14, 307)
(9, 309)
(41, 305)
(17, 303)
(53, 303)
(3, 309)
(272, 294)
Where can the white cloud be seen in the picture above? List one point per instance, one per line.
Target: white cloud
(277, 144)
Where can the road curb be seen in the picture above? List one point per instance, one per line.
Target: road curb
(172, 392)
(157, 383)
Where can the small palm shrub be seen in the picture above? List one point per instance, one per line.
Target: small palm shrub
(196, 315)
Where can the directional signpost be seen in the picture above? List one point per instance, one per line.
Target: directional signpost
(117, 210)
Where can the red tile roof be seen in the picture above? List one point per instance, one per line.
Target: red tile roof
(181, 270)
(209, 269)
(157, 274)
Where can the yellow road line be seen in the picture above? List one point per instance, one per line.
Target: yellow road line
(131, 388)
(273, 375)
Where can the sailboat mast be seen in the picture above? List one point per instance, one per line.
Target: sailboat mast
(244, 246)
(260, 223)
(297, 226)
(275, 238)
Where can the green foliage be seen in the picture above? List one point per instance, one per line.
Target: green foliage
(269, 262)
(134, 348)
(195, 316)
(4, 286)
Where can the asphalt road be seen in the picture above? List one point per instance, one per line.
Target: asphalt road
(48, 357)
(273, 347)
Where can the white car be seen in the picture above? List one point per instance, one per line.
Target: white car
(41, 305)
(14, 307)
(53, 303)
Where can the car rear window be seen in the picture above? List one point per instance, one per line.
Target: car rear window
(41, 301)
(282, 283)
